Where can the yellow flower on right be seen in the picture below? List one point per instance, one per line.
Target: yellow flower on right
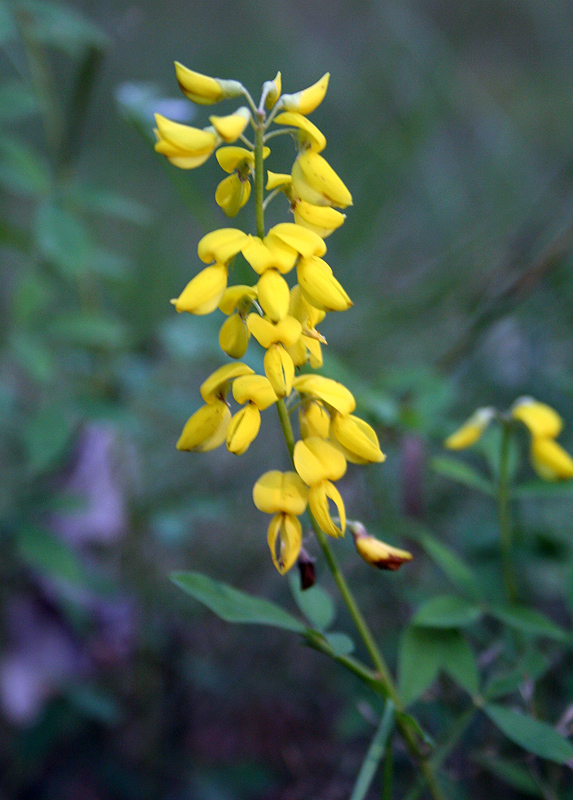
(548, 459)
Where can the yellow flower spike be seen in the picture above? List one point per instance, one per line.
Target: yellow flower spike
(550, 460)
(274, 89)
(319, 286)
(541, 419)
(306, 100)
(204, 292)
(202, 89)
(471, 430)
(279, 369)
(322, 220)
(216, 386)
(276, 179)
(237, 297)
(287, 331)
(329, 391)
(316, 460)
(285, 531)
(277, 492)
(314, 180)
(300, 239)
(243, 429)
(232, 194)
(314, 420)
(274, 294)
(318, 497)
(206, 429)
(356, 438)
(254, 389)
(309, 135)
(232, 126)
(234, 336)
(376, 552)
(221, 245)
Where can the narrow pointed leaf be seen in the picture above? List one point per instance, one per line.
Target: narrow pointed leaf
(374, 755)
(447, 611)
(536, 737)
(529, 621)
(456, 570)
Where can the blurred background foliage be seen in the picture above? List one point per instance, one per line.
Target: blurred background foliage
(451, 124)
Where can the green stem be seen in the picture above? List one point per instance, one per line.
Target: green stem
(259, 174)
(505, 526)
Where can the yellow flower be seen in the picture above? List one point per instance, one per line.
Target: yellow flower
(272, 90)
(243, 429)
(217, 385)
(308, 347)
(207, 428)
(322, 220)
(356, 438)
(331, 392)
(375, 552)
(274, 294)
(284, 495)
(305, 101)
(318, 463)
(221, 245)
(234, 336)
(232, 194)
(276, 179)
(309, 137)
(471, 430)
(269, 253)
(539, 418)
(231, 126)
(184, 146)
(314, 420)
(286, 331)
(204, 90)
(305, 242)
(314, 180)
(550, 460)
(279, 369)
(319, 286)
(203, 293)
(255, 389)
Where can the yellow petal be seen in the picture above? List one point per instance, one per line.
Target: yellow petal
(202, 89)
(279, 369)
(300, 239)
(471, 430)
(358, 440)
(231, 126)
(274, 89)
(314, 180)
(243, 429)
(329, 391)
(316, 460)
(322, 220)
(232, 194)
(231, 158)
(221, 245)
(216, 386)
(541, 419)
(319, 286)
(275, 179)
(309, 135)
(280, 492)
(380, 554)
(287, 331)
(314, 420)
(206, 429)
(274, 294)
(256, 389)
(306, 100)
(318, 497)
(234, 336)
(203, 293)
(550, 460)
(285, 531)
(188, 140)
(235, 297)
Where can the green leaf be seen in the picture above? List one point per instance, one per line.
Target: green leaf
(17, 101)
(536, 737)
(341, 643)
(7, 27)
(93, 330)
(374, 754)
(458, 660)
(539, 488)
(419, 662)
(61, 27)
(531, 668)
(39, 548)
(447, 611)
(63, 240)
(461, 473)
(103, 201)
(515, 775)
(234, 606)
(22, 170)
(33, 356)
(316, 604)
(456, 570)
(529, 621)
(47, 433)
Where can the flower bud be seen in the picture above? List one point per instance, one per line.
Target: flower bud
(232, 194)
(243, 429)
(202, 89)
(375, 552)
(306, 100)
(231, 126)
(274, 294)
(279, 369)
(203, 293)
(471, 430)
(206, 429)
(234, 336)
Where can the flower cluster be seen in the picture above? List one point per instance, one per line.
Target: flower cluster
(548, 458)
(281, 317)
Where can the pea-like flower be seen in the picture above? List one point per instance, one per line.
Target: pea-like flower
(284, 495)
(318, 463)
(206, 429)
(471, 431)
(204, 90)
(305, 101)
(257, 393)
(234, 334)
(184, 146)
(331, 392)
(319, 286)
(376, 552)
(539, 418)
(356, 438)
(314, 180)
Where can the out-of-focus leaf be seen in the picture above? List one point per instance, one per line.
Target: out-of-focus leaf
(542, 489)
(316, 604)
(22, 170)
(14, 236)
(32, 294)
(17, 100)
(40, 549)
(461, 473)
(95, 704)
(47, 434)
(103, 201)
(535, 736)
(375, 754)
(456, 569)
(446, 611)
(531, 668)
(419, 662)
(341, 643)
(515, 775)
(109, 266)
(233, 605)
(33, 356)
(7, 27)
(490, 446)
(61, 27)
(93, 330)
(63, 240)
(459, 662)
(528, 620)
